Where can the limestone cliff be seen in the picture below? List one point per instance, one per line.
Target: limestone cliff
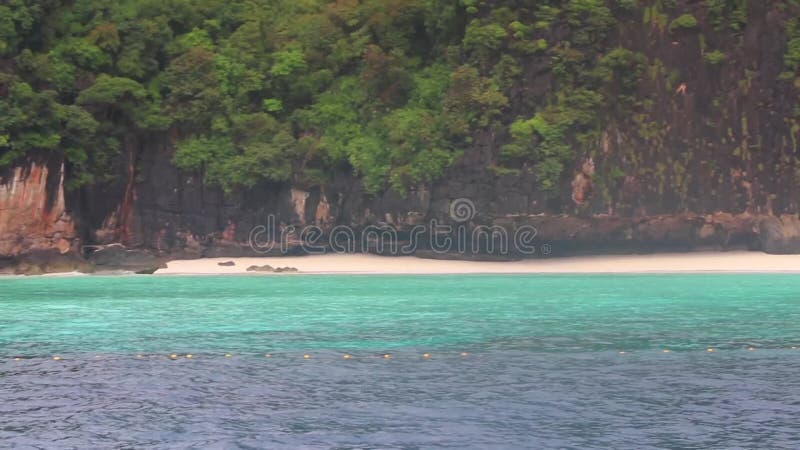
(611, 126)
(33, 215)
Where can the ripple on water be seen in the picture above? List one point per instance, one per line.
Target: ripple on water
(561, 361)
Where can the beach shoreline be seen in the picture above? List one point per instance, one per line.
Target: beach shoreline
(366, 264)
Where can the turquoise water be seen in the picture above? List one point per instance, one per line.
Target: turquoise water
(44, 316)
(515, 361)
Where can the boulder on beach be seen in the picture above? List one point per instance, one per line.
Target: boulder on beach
(268, 268)
(116, 257)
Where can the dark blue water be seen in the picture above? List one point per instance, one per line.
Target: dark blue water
(512, 362)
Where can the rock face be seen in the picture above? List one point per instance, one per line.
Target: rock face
(708, 161)
(116, 257)
(299, 202)
(682, 175)
(33, 215)
(582, 183)
(780, 235)
(38, 234)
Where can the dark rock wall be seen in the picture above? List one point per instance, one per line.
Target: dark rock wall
(710, 163)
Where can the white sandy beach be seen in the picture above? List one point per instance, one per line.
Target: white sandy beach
(741, 262)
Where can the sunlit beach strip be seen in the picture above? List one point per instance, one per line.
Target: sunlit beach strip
(700, 262)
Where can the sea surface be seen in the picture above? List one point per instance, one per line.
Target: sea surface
(461, 362)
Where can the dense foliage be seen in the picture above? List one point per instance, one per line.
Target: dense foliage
(294, 90)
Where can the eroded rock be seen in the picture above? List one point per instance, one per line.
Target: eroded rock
(779, 235)
(116, 257)
(33, 215)
(268, 268)
(582, 183)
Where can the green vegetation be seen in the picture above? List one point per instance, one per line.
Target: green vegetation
(683, 22)
(732, 13)
(629, 5)
(714, 58)
(543, 138)
(394, 92)
(272, 90)
(655, 17)
(792, 57)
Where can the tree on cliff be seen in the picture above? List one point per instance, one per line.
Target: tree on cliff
(662, 95)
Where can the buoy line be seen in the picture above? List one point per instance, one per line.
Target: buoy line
(384, 356)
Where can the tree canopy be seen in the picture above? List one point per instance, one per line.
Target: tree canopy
(292, 90)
